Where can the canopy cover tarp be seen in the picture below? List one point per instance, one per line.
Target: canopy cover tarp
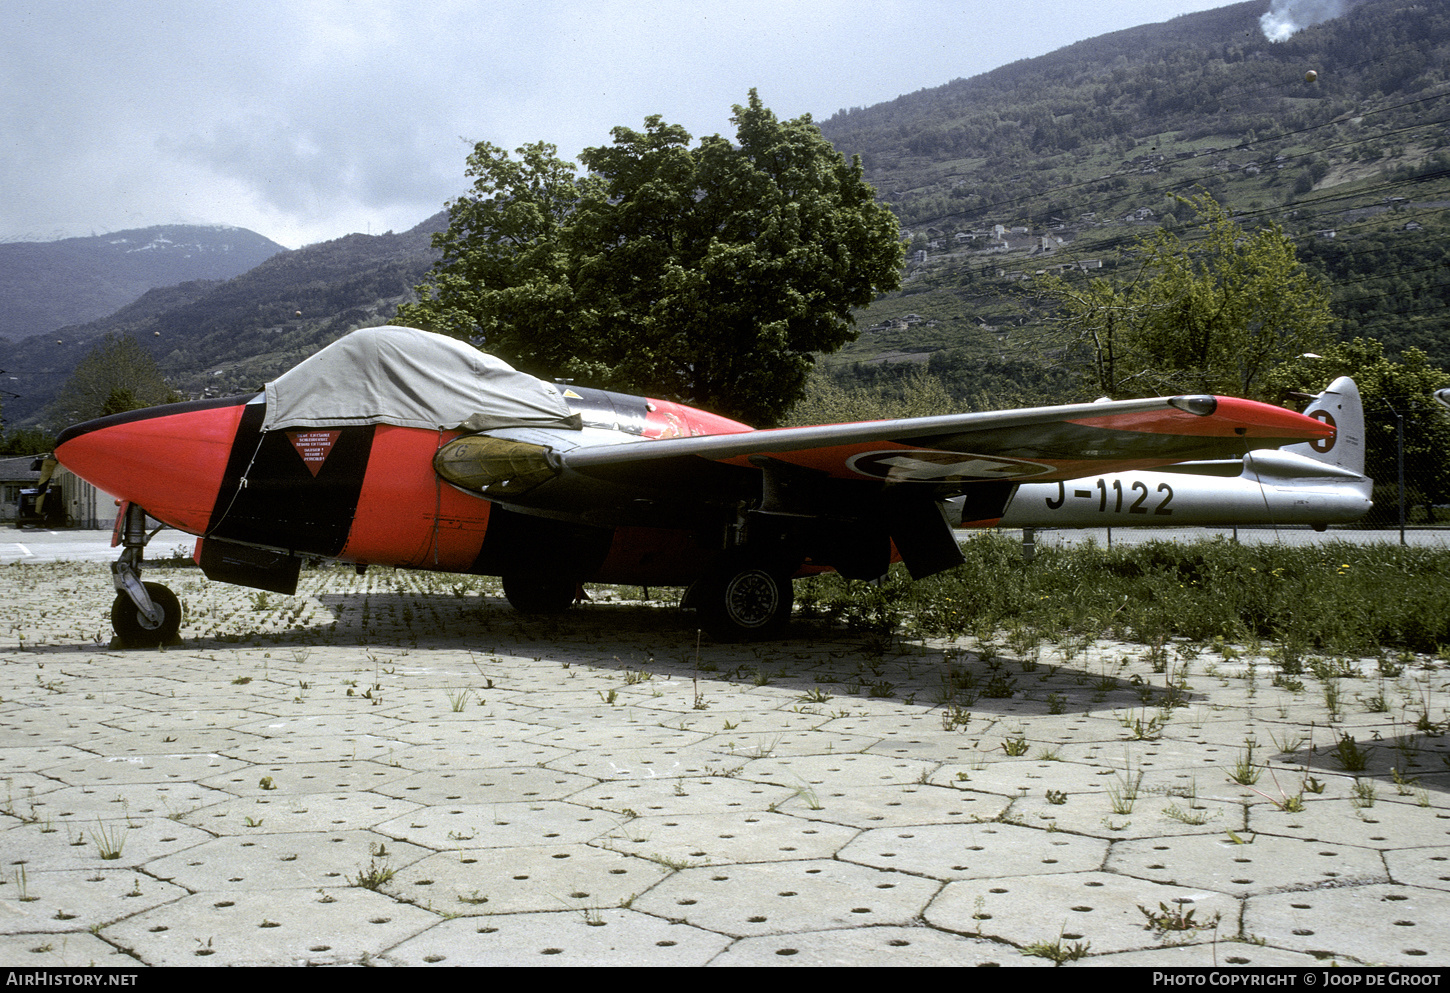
(410, 378)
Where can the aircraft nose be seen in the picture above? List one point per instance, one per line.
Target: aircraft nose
(170, 460)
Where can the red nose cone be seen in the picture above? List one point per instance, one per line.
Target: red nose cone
(170, 460)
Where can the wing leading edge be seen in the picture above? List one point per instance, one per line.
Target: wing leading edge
(1043, 443)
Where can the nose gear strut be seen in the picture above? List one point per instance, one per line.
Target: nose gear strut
(144, 615)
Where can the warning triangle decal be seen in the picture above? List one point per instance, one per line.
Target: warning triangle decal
(313, 446)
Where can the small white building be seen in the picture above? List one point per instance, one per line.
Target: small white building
(85, 506)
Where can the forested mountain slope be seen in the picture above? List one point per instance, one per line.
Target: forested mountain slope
(1067, 159)
(213, 338)
(51, 284)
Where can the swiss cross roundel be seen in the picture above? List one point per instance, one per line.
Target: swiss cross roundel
(923, 466)
(1323, 444)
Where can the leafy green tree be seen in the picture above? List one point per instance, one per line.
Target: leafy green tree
(828, 401)
(707, 274)
(26, 441)
(1214, 315)
(115, 376)
(502, 279)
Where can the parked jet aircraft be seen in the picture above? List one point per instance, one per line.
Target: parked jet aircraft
(1318, 483)
(398, 447)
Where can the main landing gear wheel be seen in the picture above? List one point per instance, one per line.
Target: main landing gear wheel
(540, 593)
(747, 602)
(135, 630)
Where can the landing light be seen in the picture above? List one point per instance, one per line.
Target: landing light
(478, 462)
(1200, 405)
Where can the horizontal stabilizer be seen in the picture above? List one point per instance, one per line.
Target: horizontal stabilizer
(1271, 464)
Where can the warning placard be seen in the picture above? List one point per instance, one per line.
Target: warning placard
(313, 446)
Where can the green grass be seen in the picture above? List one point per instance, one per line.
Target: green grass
(1329, 599)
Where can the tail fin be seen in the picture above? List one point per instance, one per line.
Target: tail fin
(1339, 406)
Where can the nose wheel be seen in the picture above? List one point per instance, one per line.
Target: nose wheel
(144, 615)
(135, 628)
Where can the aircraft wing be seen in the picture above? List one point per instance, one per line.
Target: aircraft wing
(1043, 443)
(840, 491)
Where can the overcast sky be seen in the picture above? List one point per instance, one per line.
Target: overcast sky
(307, 120)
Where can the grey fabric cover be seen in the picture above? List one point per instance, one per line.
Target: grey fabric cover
(410, 378)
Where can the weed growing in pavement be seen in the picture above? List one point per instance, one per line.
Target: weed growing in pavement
(22, 883)
(1349, 755)
(955, 719)
(1365, 794)
(1290, 743)
(1376, 704)
(1123, 791)
(1333, 699)
(1057, 950)
(1144, 728)
(1292, 804)
(1245, 772)
(1404, 786)
(378, 873)
(1000, 686)
(1166, 921)
(1192, 815)
(109, 840)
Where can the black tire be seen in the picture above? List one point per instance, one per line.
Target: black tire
(744, 602)
(540, 593)
(133, 629)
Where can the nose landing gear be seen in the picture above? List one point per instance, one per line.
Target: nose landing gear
(144, 615)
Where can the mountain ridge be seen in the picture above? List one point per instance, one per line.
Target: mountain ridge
(212, 337)
(103, 273)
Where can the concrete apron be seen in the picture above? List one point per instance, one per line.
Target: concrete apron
(397, 769)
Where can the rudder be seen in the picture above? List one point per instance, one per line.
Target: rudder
(1339, 406)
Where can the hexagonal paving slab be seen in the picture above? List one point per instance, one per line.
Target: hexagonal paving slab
(600, 788)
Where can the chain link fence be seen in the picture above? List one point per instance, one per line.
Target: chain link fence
(1407, 454)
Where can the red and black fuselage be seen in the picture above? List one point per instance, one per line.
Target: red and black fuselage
(368, 494)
